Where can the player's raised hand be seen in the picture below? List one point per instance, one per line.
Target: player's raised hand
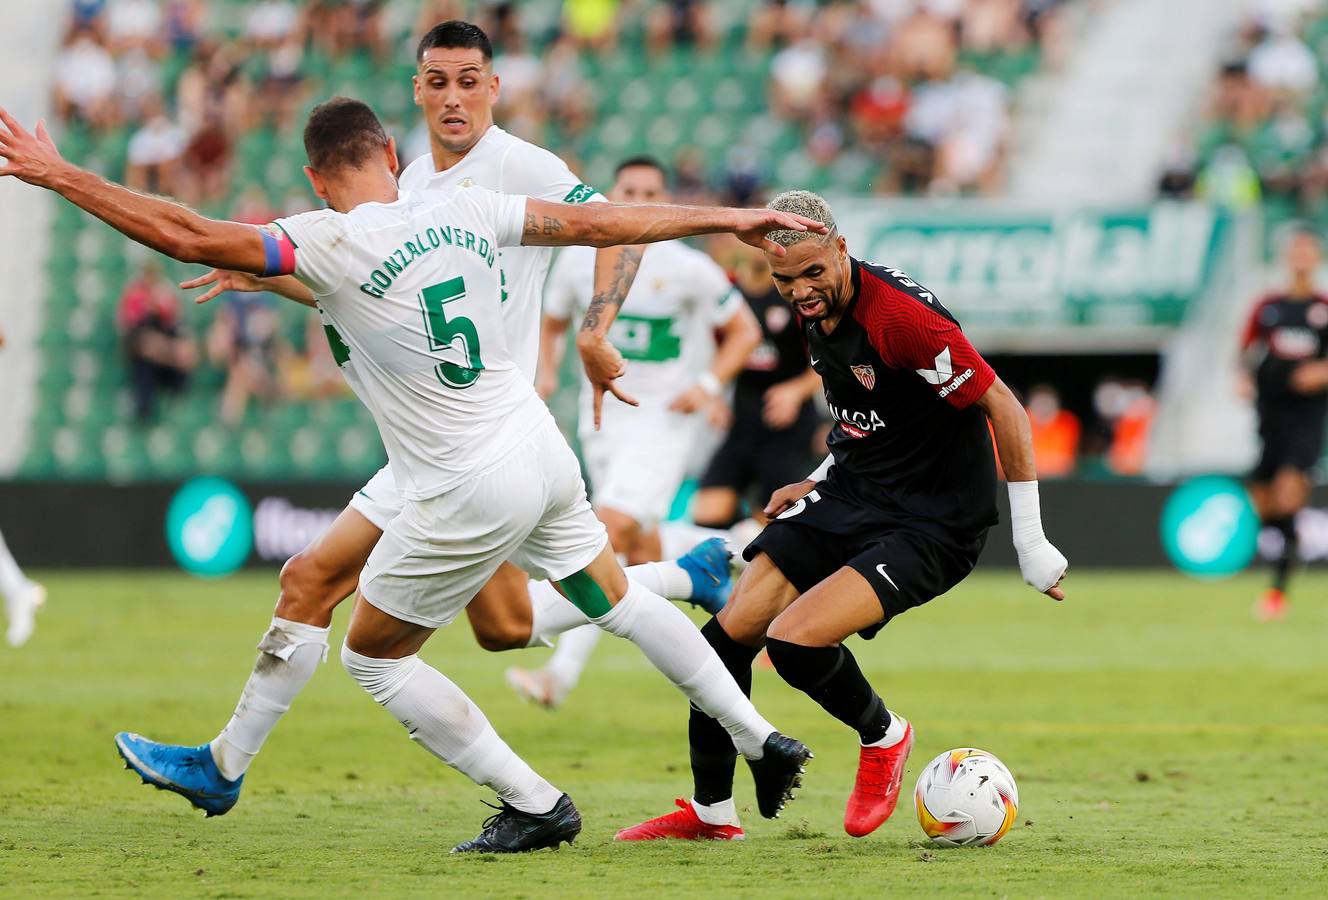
(28, 157)
(604, 365)
(752, 225)
(223, 280)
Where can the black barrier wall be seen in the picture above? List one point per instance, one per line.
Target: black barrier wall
(67, 525)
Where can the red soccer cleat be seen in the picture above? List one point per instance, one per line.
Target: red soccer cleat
(1271, 606)
(880, 772)
(684, 825)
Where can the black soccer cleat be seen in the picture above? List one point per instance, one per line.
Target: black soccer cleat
(776, 773)
(512, 831)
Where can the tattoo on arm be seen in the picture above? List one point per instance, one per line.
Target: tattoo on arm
(551, 225)
(624, 272)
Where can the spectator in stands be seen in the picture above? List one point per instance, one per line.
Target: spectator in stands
(776, 23)
(678, 23)
(160, 352)
(154, 153)
(1056, 432)
(1282, 63)
(270, 23)
(212, 89)
(185, 21)
(245, 339)
(593, 24)
(204, 173)
(797, 79)
(1129, 441)
(566, 91)
(134, 25)
(85, 81)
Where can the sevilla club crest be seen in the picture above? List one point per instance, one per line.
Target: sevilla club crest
(866, 375)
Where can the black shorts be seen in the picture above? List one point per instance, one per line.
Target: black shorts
(754, 456)
(904, 564)
(1290, 440)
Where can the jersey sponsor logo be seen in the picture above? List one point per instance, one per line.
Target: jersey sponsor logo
(944, 370)
(777, 318)
(580, 194)
(866, 375)
(854, 422)
(957, 383)
(1293, 343)
(880, 570)
(1317, 315)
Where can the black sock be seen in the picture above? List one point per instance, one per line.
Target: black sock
(831, 677)
(713, 755)
(1282, 565)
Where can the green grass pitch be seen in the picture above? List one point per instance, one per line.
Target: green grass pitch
(1164, 744)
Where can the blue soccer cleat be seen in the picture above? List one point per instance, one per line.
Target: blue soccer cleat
(189, 771)
(708, 565)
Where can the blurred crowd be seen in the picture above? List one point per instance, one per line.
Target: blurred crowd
(912, 84)
(1261, 136)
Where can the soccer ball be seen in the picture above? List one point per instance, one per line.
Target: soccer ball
(966, 797)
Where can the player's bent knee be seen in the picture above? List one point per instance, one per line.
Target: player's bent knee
(382, 678)
(499, 636)
(309, 589)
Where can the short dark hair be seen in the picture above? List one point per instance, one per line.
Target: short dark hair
(644, 160)
(342, 133)
(455, 34)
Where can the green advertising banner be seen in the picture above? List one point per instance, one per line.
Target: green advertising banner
(1125, 277)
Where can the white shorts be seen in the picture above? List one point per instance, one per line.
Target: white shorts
(530, 508)
(378, 501)
(638, 460)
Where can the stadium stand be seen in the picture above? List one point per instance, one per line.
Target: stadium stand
(204, 99)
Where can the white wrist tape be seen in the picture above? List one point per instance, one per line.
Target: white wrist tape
(709, 382)
(1041, 564)
(1025, 514)
(823, 470)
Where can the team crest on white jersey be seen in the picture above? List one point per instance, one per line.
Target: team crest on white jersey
(866, 375)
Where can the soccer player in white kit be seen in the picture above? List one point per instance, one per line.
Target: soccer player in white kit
(456, 89)
(409, 285)
(23, 596)
(686, 332)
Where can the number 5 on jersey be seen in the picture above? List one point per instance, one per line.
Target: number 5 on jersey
(444, 333)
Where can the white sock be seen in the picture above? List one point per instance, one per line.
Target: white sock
(13, 583)
(289, 653)
(571, 655)
(551, 614)
(894, 734)
(673, 644)
(676, 538)
(721, 813)
(667, 578)
(447, 723)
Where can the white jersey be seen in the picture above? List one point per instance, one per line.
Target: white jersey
(503, 162)
(411, 293)
(666, 327)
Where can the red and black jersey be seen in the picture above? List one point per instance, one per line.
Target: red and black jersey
(901, 380)
(1282, 333)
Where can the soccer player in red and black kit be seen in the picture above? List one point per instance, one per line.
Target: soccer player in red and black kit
(895, 517)
(1286, 345)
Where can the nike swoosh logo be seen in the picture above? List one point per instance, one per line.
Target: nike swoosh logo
(880, 570)
(815, 360)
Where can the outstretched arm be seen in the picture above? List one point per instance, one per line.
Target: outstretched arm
(605, 224)
(163, 225)
(615, 271)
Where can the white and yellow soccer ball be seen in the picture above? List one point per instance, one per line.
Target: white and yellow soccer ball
(965, 798)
